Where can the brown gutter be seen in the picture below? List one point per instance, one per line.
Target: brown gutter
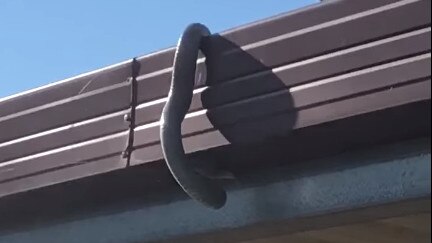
(309, 67)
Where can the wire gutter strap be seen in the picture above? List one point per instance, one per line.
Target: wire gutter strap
(131, 116)
(179, 100)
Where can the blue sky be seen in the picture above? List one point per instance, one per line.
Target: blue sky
(48, 40)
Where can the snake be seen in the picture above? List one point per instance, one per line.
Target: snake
(198, 187)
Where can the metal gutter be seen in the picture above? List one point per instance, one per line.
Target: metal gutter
(297, 73)
(266, 79)
(394, 18)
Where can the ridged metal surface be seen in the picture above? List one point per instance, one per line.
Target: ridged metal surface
(324, 63)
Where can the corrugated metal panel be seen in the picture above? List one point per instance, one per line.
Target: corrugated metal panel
(276, 125)
(225, 56)
(328, 65)
(324, 63)
(231, 129)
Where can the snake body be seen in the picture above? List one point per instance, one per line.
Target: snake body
(180, 95)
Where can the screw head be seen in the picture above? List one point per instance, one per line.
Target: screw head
(127, 117)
